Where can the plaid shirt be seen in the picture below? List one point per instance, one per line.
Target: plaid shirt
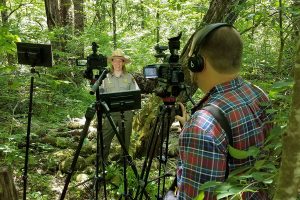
(203, 143)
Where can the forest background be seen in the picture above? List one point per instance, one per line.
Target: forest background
(269, 29)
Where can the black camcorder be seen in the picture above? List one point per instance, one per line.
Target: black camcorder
(165, 73)
(169, 73)
(95, 64)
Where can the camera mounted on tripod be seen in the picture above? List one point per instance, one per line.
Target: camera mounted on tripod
(169, 73)
(95, 64)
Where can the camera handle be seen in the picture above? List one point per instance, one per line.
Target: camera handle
(99, 81)
(158, 133)
(25, 177)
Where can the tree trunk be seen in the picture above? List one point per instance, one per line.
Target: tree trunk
(100, 10)
(233, 11)
(280, 55)
(67, 22)
(253, 21)
(143, 15)
(52, 13)
(296, 17)
(66, 14)
(79, 24)
(114, 22)
(52, 8)
(59, 15)
(222, 11)
(4, 15)
(7, 187)
(289, 176)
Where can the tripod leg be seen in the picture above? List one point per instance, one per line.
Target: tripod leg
(122, 131)
(28, 138)
(151, 152)
(153, 138)
(100, 145)
(90, 112)
(164, 155)
(129, 158)
(160, 157)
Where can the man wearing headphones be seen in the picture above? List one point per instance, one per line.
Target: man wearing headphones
(215, 56)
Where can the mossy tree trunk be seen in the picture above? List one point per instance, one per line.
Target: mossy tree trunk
(7, 187)
(296, 18)
(59, 14)
(79, 24)
(289, 176)
(114, 21)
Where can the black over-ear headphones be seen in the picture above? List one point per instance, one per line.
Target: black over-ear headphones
(196, 61)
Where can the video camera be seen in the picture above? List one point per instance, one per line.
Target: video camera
(95, 64)
(169, 73)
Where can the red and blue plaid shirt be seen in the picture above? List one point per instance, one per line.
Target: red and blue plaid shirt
(203, 143)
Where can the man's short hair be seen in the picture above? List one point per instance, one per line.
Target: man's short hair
(223, 48)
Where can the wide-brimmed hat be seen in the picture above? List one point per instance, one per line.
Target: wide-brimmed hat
(118, 53)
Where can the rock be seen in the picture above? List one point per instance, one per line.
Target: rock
(66, 164)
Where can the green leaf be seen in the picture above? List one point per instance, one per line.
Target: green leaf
(269, 166)
(209, 184)
(261, 176)
(240, 170)
(259, 164)
(200, 196)
(283, 84)
(242, 154)
(236, 153)
(225, 194)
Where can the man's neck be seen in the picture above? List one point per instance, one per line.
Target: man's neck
(218, 79)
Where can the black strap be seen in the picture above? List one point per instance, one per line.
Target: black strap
(224, 123)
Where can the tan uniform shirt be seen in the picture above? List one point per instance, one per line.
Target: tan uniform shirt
(124, 82)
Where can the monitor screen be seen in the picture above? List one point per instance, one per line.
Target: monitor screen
(122, 101)
(34, 54)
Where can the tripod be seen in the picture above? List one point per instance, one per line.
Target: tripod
(100, 107)
(33, 55)
(160, 131)
(89, 115)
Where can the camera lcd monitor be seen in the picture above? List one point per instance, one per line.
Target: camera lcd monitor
(34, 54)
(150, 71)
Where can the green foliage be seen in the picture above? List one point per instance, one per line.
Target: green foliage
(240, 154)
(7, 41)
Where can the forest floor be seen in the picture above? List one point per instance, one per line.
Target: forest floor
(52, 152)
